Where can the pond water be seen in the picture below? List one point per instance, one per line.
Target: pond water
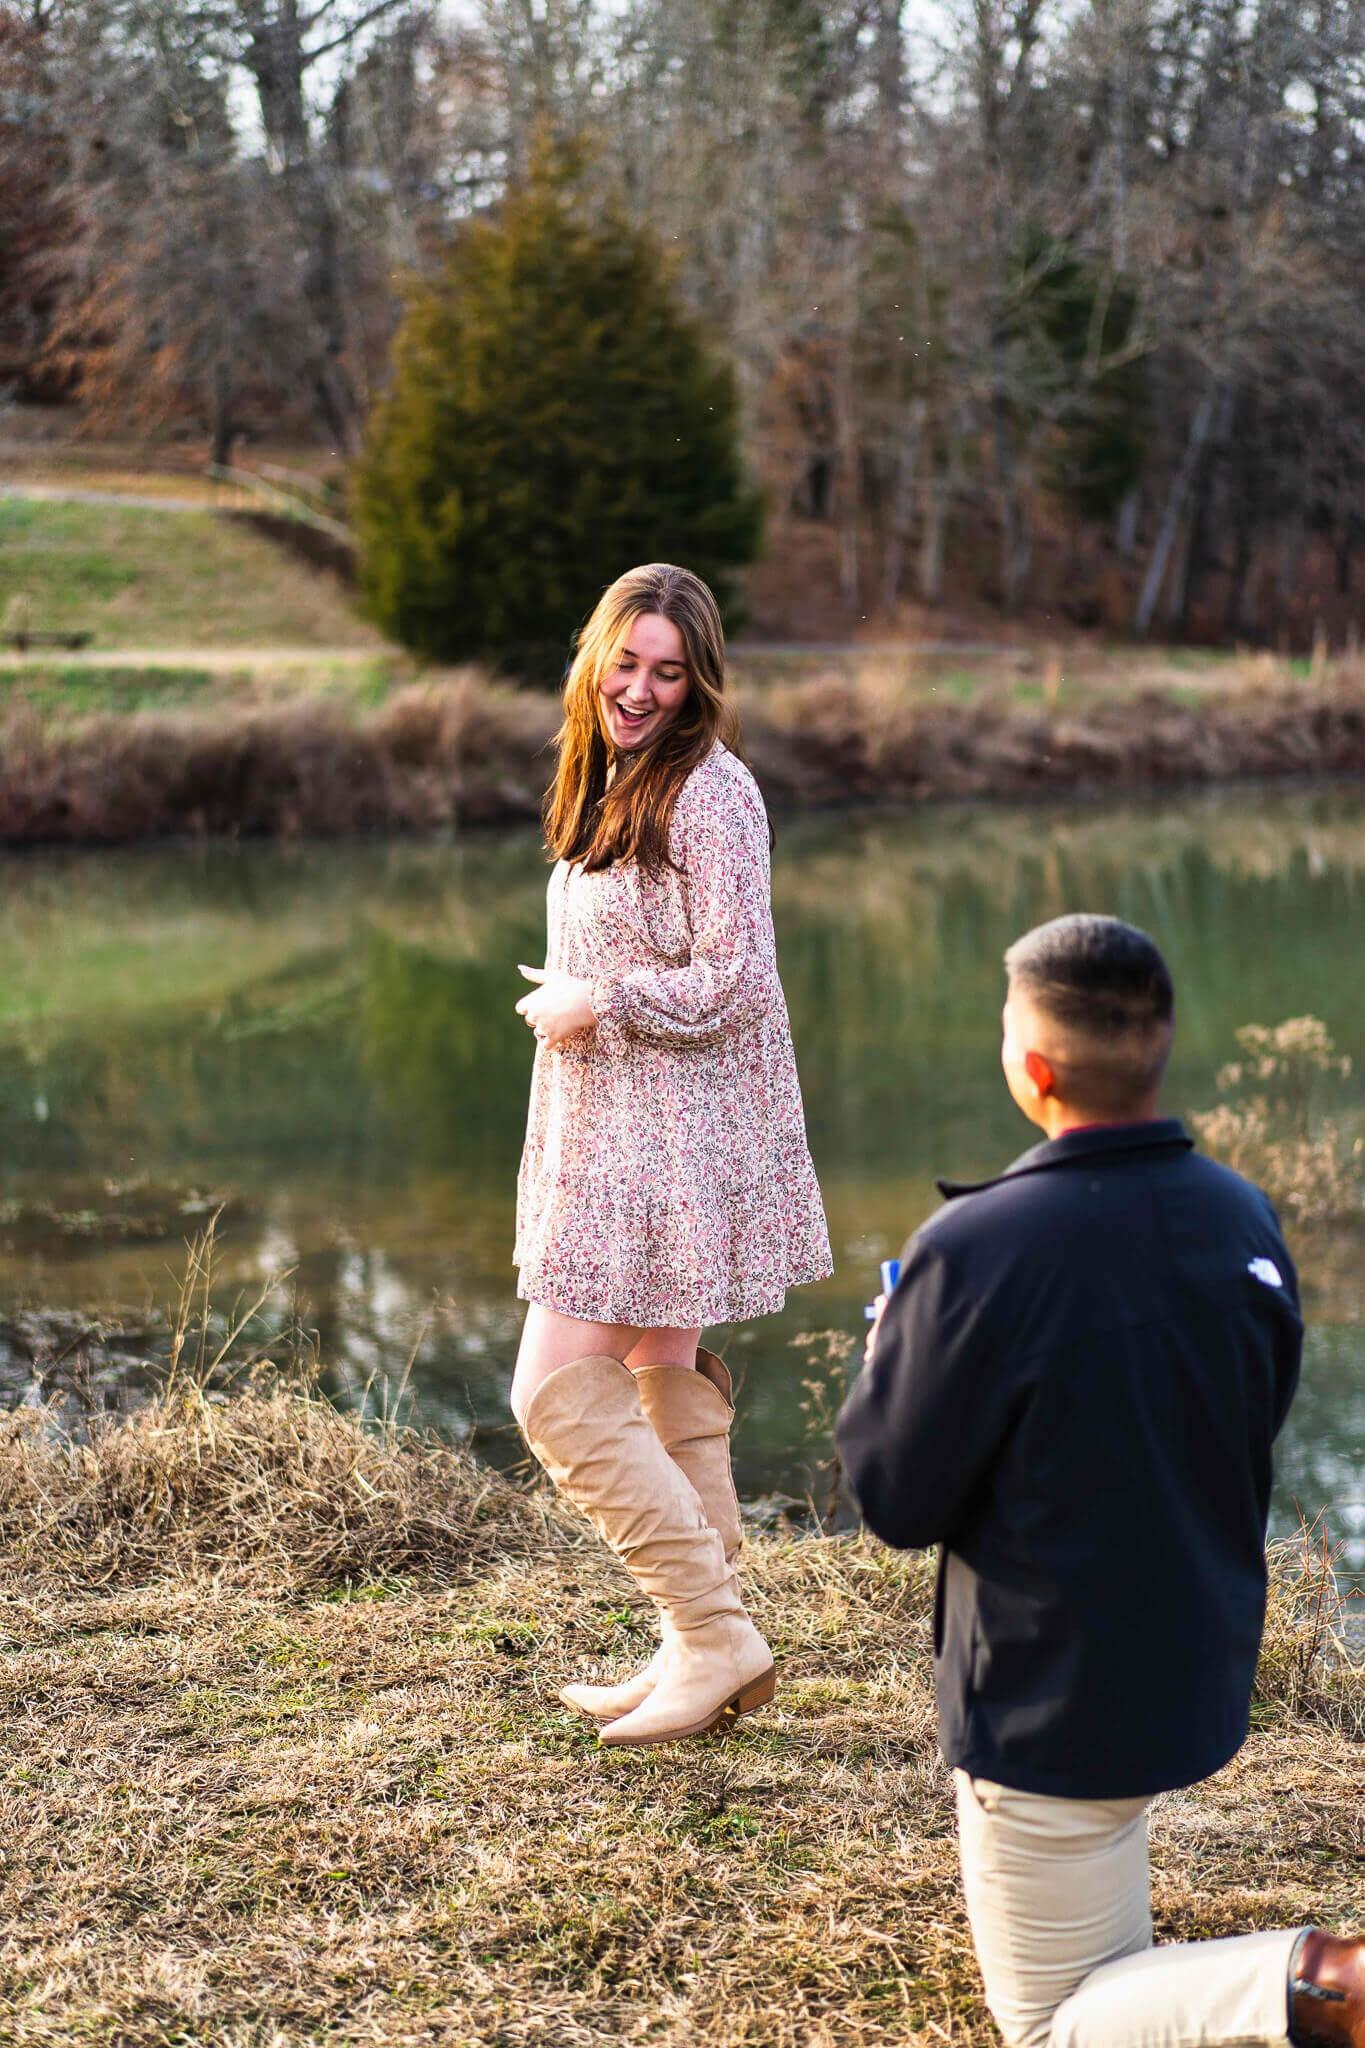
(323, 1036)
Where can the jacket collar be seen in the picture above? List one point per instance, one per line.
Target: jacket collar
(1160, 1134)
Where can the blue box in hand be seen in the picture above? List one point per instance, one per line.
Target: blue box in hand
(891, 1273)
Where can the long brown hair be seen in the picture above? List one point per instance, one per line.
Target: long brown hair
(585, 820)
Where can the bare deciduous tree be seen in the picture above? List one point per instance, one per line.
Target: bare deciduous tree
(1012, 267)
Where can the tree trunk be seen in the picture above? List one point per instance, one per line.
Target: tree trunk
(1195, 556)
(324, 292)
(1291, 556)
(1173, 513)
(902, 506)
(1243, 485)
(277, 60)
(890, 94)
(226, 433)
(1346, 540)
(931, 541)
(1188, 564)
(1130, 515)
(1015, 549)
(847, 474)
(1238, 609)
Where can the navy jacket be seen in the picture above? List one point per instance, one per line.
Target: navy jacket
(1075, 1390)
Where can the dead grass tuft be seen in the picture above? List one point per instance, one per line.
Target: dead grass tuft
(263, 1485)
(1271, 1128)
(1306, 1672)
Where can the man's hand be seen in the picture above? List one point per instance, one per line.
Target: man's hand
(880, 1306)
(559, 1008)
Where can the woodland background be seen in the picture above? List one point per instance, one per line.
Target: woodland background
(1033, 305)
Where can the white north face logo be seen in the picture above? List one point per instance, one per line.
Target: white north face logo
(1266, 1271)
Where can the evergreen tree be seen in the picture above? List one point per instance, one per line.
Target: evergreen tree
(554, 418)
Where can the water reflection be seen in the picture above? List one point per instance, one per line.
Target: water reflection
(326, 1035)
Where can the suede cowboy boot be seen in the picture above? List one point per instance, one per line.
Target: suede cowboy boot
(588, 1428)
(691, 1412)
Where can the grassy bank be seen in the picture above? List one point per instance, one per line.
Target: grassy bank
(291, 1768)
(231, 688)
(460, 750)
(140, 578)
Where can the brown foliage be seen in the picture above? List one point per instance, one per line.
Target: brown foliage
(32, 209)
(460, 751)
(831, 740)
(428, 759)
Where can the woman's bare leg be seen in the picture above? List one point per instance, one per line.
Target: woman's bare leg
(663, 1347)
(550, 1340)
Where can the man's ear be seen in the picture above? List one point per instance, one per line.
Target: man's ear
(1040, 1074)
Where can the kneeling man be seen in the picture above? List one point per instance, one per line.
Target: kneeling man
(1074, 1389)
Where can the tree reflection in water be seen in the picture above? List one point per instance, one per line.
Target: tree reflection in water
(325, 1035)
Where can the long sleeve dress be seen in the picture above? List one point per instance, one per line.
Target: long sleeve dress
(665, 1180)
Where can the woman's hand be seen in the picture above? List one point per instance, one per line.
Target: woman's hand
(560, 1008)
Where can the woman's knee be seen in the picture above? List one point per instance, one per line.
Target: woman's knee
(527, 1381)
(549, 1342)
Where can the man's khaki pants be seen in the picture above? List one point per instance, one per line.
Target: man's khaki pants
(1057, 1896)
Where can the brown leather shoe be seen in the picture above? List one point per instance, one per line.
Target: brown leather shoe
(1327, 1991)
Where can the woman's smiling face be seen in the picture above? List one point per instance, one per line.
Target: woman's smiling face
(645, 691)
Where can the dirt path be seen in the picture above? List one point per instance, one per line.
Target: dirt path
(59, 494)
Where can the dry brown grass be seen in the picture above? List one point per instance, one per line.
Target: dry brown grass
(290, 1767)
(430, 757)
(839, 737)
(265, 1485)
(458, 750)
(1270, 1127)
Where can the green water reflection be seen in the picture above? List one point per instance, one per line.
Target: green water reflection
(326, 1034)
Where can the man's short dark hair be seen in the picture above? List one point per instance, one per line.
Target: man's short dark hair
(1105, 983)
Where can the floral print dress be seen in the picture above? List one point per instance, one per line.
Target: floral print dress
(665, 1180)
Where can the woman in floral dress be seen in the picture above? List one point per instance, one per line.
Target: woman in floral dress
(665, 1183)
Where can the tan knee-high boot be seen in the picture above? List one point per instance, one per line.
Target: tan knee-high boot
(691, 1413)
(588, 1428)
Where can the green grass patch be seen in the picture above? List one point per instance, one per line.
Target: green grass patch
(76, 689)
(370, 684)
(959, 685)
(138, 577)
(367, 1591)
(60, 690)
(1199, 658)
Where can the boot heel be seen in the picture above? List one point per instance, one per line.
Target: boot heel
(758, 1692)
